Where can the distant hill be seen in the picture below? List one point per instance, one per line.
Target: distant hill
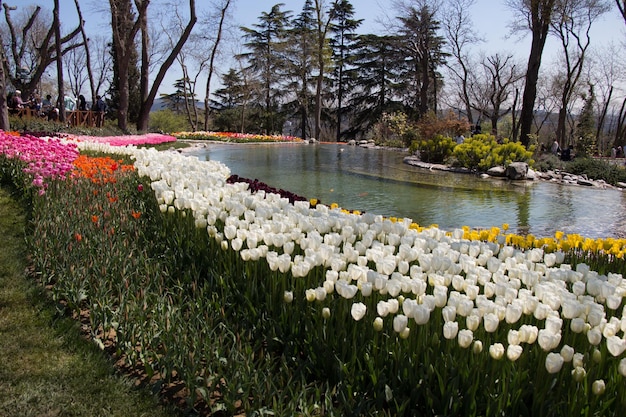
(161, 104)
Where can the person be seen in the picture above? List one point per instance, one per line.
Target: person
(17, 102)
(459, 139)
(82, 103)
(100, 107)
(566, 154)
(70, 103)
(555, 148)
(46, 104)
(613, 152)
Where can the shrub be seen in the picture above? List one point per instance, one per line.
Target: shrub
(168, 121)
(597, 169)
(435, 150)
(450, 125)
(481, 152)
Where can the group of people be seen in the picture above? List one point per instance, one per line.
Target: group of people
(565, 154)
(46, 108)
(617, 152)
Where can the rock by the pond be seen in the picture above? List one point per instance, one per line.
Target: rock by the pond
(517, 170)
(497, 171)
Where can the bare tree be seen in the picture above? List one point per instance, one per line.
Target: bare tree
(4, 111)
(32, 47)
(148, 93)
(536, 16)
(571, 25)
(460, 34)
(75, 67)
(621, 5)
(494, 91)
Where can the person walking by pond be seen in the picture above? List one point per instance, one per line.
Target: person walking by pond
(100, 107)
(82, 103)
(555, 149)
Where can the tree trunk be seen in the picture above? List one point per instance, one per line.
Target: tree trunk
(144, 112)
(59, 60)
(541, 12)
(207, 93)
(4, 111)
(92, 84)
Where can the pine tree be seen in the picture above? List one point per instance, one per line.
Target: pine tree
(586, 144)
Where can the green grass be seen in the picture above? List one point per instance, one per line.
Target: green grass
(47, 368)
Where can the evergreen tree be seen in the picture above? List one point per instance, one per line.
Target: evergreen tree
(299, 58)
(377, 67)
(342, 42)
(179, 100)
(423, 49)
(266, 45)
(586, 144)
(134, 91)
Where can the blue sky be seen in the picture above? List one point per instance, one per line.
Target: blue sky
(490, 17)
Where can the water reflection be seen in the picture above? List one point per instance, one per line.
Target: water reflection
(378, 181)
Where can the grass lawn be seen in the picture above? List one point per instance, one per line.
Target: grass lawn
(47, 368)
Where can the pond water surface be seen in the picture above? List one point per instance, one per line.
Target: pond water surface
(377, 181)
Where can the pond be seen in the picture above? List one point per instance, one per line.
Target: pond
(378, 181)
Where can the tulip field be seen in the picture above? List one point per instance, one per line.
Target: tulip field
(266, 304)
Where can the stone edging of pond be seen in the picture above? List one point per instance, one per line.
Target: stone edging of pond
(558, 177)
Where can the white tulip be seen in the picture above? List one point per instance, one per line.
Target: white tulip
(513, 352)
(472, 322)
(616, 345)
(450, 329)
(594, 336)
(400, 322)
(491, 322)
(577, 360)
(577, 325)
(513, 337)
(622, 367)
(465, 338)
(496, 351)
(421, 314)
(310, 295)
(288, 297)
(326, 313)
(567, 352)
(448, 313)
(513, 313)
(477, 347)
(554, 362)
(358, 311)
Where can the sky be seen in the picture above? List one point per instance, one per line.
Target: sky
(491, 19)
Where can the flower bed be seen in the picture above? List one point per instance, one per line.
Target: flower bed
(260, 303)
(235, 137)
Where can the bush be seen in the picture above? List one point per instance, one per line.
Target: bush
(168, 121)
(597, 169)
(481, 152)
(435, 150)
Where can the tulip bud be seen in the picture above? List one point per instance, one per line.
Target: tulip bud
(477, 347)
(326, 313)
(288, 297)
(310, 295)
(622, 367)
(596, 356)
(579, 373)
(404, 334)
(378, 324)
(598, 387)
